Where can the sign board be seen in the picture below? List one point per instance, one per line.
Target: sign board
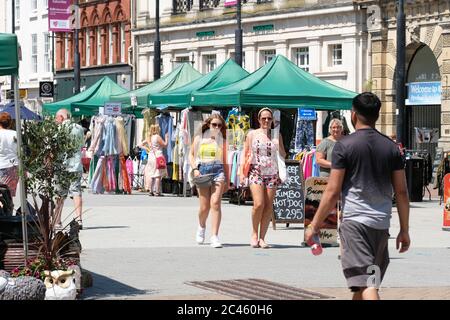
(133, 100)
(314, 189)
(265, 27)
(307, 114)
(46, 89)
(113, 108)
(229, 3)
(437, 161)
(424, 93)
(10, 94)
(446, 220)
(59, 12)
(202, 34)
(288, 205)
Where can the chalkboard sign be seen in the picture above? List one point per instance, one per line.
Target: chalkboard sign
(315, 187)
(437, 161)
(288, 206)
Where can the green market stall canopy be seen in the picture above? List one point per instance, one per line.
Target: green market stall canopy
(88, 101)
(225, 74)
(278, 84)
(9, 60)
(181, 75)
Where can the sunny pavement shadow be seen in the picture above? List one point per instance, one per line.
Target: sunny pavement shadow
(107, 288)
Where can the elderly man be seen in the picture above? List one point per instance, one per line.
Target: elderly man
(73, 165)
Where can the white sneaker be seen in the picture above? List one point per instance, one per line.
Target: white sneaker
(200, 237)
(215, 242)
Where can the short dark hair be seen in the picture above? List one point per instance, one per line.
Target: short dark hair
(367, 105)
(5, 120)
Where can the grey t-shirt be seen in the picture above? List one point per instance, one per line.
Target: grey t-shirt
(326, 147)
(369, 158)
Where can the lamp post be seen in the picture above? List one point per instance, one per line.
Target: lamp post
(76, 67)
(157, 46)
(238, 35)
(23, 195)
(402, 116)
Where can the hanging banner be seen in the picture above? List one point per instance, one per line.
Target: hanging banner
(229, 3)
(424, 93)
(307, 114)
(446, 220)
(59, 15)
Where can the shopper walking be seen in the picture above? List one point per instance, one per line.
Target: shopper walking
(366, 167)
(208, 158)
(74, 165)
(8, 154)
(155, 170)
(325, 148)
(260, 150)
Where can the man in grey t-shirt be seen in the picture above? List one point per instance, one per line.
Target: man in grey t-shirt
(366, 166)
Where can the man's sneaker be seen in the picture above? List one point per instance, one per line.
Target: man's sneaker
(200, 237)
(215, 242)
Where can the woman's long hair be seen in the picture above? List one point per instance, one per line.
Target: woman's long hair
(207, 123)
(154, 129)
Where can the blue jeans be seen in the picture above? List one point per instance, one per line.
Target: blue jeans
(215, 168)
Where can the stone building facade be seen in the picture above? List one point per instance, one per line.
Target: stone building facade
(104, 46)
(427, 64)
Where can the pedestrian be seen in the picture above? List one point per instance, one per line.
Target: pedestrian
(325, 148)
(8, 154)
(260, 150)
(153, 173)
(75, 166)
(366, 167)
(208, 159)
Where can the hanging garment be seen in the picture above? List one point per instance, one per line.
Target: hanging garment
(304, 134)
(96, 146)
(165, 122)
(110, 139)
(97, 178)
(122, 139)
(149, 119)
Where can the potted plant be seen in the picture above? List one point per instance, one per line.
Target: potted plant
(46, 147)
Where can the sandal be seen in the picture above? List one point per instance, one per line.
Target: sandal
(263, 244)
(254, 243)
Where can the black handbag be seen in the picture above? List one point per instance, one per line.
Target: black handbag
(6, 202)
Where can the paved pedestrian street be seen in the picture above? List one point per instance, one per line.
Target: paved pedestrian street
(141, 247)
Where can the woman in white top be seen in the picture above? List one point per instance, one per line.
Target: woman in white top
(154, 145)
(8, 153)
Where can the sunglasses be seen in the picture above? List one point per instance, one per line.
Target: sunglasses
(216, 125)
(264, 119)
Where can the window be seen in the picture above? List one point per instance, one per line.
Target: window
(34, 53)
(180, 60)
(336, 54)
(17, 12)
(34, 5)
(46, 52)
(111, 44)
(45, 4)
(302, 58)
(99, 47)
(122, 43)
(267, 55)
(209, 62)
(88, 48)
(66, 53)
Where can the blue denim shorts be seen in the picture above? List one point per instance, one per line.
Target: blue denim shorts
(215, 168)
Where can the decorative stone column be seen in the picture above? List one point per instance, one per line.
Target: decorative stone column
(250, 57)
(444, 141)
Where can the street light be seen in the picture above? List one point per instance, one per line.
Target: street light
(402, 116)
(157, 47)
(238, 35)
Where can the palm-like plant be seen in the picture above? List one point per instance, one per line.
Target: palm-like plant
(46, 147)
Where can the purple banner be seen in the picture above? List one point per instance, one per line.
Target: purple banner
(59, 15)
(229, 3)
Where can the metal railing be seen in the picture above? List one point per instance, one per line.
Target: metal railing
(209, 4)
(182, 6)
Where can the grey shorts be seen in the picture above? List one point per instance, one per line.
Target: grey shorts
(74, 188)
(364, 254)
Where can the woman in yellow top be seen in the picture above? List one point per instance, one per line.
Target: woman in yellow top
(208, 156)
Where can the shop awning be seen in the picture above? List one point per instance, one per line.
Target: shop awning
(180, 76)
(9, 60)
(278, 84)
(225, 74)
(88, 101)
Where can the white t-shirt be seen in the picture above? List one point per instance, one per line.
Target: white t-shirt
(8, 149)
